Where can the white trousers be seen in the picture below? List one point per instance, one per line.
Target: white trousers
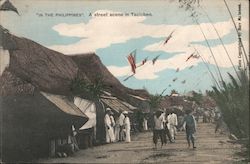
(172, 131)
(127, 132)
(110, 137)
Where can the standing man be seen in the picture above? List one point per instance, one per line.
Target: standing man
(145, 123)
(121, 122)
(175, 123)
(159, 128)
(127, 127)
(172, 123)
(117, 128)
(112, 123)
(166, 127)
(190, 127)
(110, 137)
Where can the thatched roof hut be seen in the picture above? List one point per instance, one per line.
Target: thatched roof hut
(46, 69)
(35, 72)
(34, 117)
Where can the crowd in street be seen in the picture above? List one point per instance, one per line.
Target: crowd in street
(165, 126)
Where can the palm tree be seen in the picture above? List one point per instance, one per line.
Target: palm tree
(92, 91)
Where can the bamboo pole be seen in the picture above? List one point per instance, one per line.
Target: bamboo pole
(210, 49)
(204, 61)
(235, 27)
(222, 43)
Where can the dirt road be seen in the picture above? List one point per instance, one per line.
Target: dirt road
(211, 148)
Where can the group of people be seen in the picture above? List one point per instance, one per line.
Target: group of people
(166, 126)
(117, 129)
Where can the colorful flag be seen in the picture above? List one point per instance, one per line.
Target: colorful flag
(168, 38)
(193, 55)
(132, 60)
(191, 67)
(196, 56)
(7, 6)
(174, 79)
(144, 61)
(190, 56)
(154, 60)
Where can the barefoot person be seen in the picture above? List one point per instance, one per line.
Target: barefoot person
(190, 127)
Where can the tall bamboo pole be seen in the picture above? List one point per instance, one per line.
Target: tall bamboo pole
(235, 27)
(205, 63)
(217, 66)
(222, 43)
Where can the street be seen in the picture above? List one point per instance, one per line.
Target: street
(211, 148)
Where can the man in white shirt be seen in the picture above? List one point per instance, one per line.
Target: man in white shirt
(158, 132)
(110, 137)
(172, 123)
(127, 127)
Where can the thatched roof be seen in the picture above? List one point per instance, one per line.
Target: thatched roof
(7, 41)
(47, 70)
(115, 104)
(10, 84)
(53, 72)
(63, 103)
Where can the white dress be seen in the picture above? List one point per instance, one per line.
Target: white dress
(110, 137)
(127, 129)
(145, 124)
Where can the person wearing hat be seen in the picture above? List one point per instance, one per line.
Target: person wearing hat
(127, 127)
(110, 137)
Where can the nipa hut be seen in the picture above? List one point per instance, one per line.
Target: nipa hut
(34, 124)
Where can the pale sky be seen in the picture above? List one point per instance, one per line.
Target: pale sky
(114, 37)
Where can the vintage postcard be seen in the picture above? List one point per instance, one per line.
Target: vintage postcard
(122, 81)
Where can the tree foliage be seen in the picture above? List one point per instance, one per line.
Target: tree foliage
(154, 101)
(197, 97)
(93, 91)
(233, 100)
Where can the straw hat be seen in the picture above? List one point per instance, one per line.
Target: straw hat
(125, 112)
